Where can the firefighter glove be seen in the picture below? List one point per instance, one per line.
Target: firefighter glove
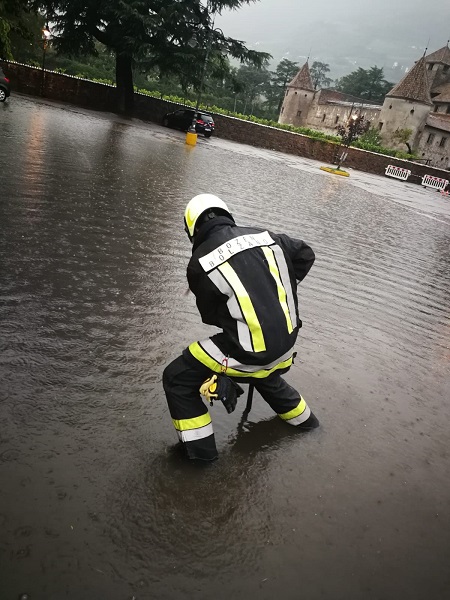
(220, 387)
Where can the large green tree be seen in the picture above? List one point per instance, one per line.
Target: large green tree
(14, 21)
(319, 72)
(365, 83)
(251, 82)
(174, 36)
(283, 74)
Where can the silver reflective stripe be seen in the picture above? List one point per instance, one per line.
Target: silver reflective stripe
(210, 347)
(301, 418)
(238, 244)
(286, 281)
(190, 435)
(235, 311)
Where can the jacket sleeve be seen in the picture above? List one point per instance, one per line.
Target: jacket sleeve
(302, 256)
(207, 296)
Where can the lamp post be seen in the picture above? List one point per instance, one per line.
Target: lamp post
(355, 126)
(351, 134)
(45, 37)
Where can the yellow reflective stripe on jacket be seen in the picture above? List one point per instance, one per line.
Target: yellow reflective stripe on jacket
(197, 352)
(246, 305)
(295, 412)
(268, 253)
(195, 423)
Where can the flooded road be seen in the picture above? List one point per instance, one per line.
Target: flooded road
(94, 502)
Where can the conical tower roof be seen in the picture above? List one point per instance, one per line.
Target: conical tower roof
(414, 85)
(440, 56)
(302, 80)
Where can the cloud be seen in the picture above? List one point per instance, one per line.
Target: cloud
(383, 32)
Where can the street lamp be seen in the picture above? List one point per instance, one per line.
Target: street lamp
(45, 38)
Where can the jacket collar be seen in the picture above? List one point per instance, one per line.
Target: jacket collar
(209, 227)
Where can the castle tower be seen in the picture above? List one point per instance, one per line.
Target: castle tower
(438, 66)
(407, 106)
(298, 98)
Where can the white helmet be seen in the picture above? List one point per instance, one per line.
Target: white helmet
(197, 206)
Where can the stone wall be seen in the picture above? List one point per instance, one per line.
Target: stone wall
(399, 113)
(435, 145)
(326, 117)
(55, 86)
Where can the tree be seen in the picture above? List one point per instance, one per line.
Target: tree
(283, 74)
(365, 83)
(402, 136)
(252, 82)
(350, 132)
(371, 136)
(319, 72)
(13, 21)
(174, 36)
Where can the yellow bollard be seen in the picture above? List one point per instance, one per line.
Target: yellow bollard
(191, 138)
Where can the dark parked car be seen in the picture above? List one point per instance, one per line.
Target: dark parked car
(5, 90)
(182, 119)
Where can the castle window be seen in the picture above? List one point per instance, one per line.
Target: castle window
(430, 67)
(295, 93)
(336, 120)
(448, 110)
(443, 142)
(287, 92)
(306, 95)
(390, 106)
(299, 113)
(324, 116)
(445, 68)
(412, 111)
(436, 108)
(430, 138)
(282, 109)
(380, 126)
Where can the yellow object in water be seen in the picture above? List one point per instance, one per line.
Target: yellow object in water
(335, 171)
(191, 138)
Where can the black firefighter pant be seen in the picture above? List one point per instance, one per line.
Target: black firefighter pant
(190, 416)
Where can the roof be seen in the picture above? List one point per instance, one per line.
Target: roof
(441, 56)
(439, 121)
(414, 85)
(327, 96)
(443, 93)
(303, 79)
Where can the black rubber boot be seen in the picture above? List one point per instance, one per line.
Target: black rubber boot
(312, 422)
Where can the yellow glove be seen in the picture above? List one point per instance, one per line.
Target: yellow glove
(209, 387)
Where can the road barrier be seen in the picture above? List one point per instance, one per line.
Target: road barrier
(434, 183)
(397, 172)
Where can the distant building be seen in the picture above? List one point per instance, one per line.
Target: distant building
(420, 102)
(323, 110)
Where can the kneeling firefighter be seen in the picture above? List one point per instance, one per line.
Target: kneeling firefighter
(245, 282)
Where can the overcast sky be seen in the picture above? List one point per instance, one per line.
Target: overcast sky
(346, 34)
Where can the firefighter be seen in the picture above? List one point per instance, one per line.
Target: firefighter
(245, 282)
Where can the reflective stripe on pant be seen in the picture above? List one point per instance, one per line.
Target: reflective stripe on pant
(283, 399)
(190, 416)
(297, 415)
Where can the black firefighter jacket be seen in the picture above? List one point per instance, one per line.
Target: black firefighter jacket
(245, 282)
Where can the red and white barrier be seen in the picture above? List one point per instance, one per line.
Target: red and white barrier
(435, 183)
(397, 172)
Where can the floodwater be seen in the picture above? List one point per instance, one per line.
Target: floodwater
(94, 502)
